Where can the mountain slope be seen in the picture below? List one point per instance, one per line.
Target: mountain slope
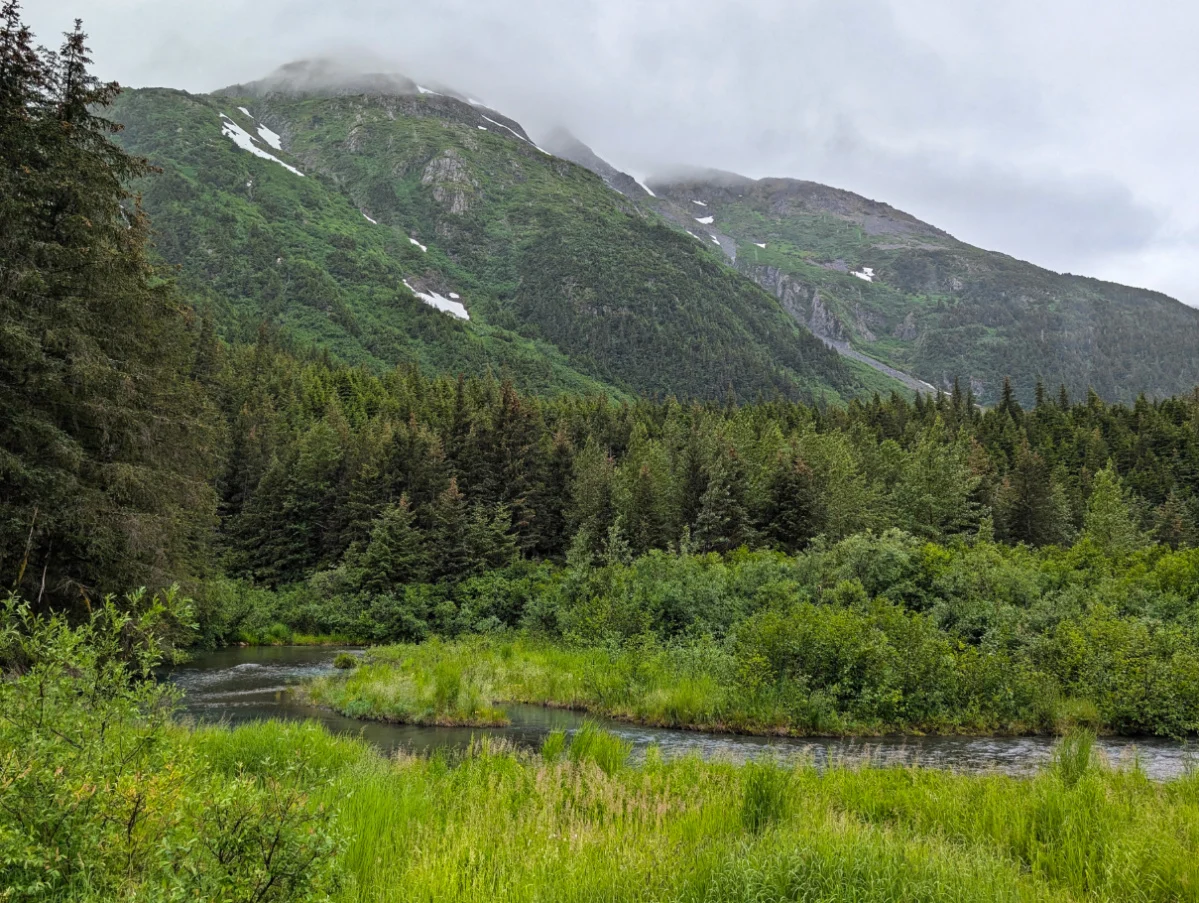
(567, 285)
(872, 278)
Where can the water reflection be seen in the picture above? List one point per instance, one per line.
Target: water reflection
(246, 684)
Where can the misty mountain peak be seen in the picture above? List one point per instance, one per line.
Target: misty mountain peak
(325, 77)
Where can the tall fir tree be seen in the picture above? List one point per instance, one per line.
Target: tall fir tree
(396, 554)
(106, 443)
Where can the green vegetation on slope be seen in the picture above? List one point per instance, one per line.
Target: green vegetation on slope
(561, 276)
(937, 307)
(256, 243)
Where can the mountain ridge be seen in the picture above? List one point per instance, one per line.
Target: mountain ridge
(876, 284)
(395, 199)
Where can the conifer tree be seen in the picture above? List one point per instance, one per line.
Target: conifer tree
(1032, 505)
(451, 552)
(1176, 521)
(789, 519)
(723, 522)
(1109, 523)
(591, 506)
(396, 553)
(106, 444)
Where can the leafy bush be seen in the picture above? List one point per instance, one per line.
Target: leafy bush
(102, 798)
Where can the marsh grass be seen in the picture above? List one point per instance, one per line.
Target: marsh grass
(496, 824)
(765, 798)
(700, 687)
(446, 693)
(590, 743)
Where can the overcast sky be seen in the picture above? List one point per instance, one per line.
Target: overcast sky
(1060, 131)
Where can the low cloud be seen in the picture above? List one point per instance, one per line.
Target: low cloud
(1057, 133)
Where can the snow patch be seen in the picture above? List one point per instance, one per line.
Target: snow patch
(696, 237)
(373, 222)
(701, 203)
(501, 125)
(453, 296)
(418, 244)
(245, 141)
(644, 187)
(866, 273)
(247, 112)
(270, 137)
(423, 90)
(761, 244)
(705, 220)
(482, 128)
(454, 308)
(715, 240)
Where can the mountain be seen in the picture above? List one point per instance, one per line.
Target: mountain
(389, 221)
(883, 286)
(563, 144)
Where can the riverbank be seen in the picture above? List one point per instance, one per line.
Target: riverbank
(699, 687)
(106, 797)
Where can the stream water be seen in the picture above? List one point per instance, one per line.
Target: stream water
(252, 683)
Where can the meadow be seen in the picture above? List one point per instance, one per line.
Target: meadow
(577, 823)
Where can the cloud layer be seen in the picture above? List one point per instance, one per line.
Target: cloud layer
(1060, 132)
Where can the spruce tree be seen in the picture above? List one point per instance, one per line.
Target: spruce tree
(450, 546)
(1109, 523)
(1032, 506)
(789, 519)
(723, 522)
(106, 443)
(396, 553)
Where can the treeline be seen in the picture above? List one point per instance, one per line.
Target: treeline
(415, 479)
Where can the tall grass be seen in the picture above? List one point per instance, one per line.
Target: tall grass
(444, 692)
(493, 824)
(701, 686)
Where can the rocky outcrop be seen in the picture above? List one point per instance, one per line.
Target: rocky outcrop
(453, 186)
(907, 330)
(863, 320)
(801, 301)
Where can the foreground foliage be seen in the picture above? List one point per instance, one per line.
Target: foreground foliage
(584, 823)
(101, 798)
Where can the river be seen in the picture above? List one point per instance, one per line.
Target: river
(250, 683)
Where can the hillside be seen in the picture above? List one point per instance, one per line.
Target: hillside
(872, 279)
(333, 208)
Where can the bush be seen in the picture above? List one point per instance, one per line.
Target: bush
(102, 798)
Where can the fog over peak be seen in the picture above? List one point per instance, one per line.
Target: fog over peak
(1062, 133)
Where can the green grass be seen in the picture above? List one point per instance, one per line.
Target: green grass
(448, 693)
(494, 824)
(700, 687)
